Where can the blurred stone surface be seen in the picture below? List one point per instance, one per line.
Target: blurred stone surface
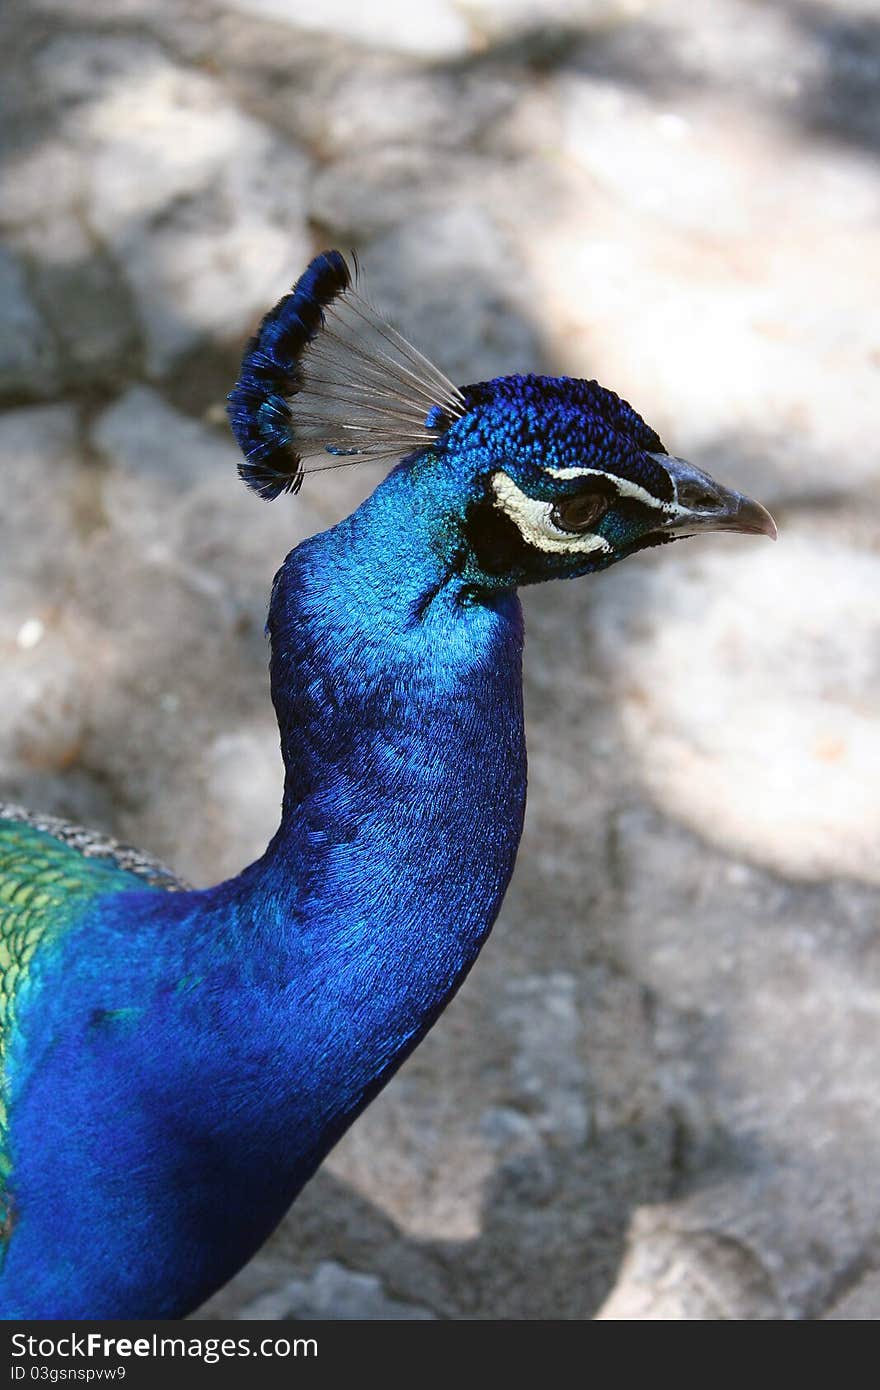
(767, 740)
(201, 205)
(27, 356)
(331, 1293)
(655, 1097)
(433, 29)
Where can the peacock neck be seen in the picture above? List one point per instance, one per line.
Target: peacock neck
(232, 1034)
(400, 710)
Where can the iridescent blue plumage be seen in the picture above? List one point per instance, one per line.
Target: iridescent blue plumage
(560, 421)
(177, 1064)
(259, 410)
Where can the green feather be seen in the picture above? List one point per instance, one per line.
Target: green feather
(47, 875)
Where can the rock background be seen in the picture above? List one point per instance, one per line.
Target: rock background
(656, 1096)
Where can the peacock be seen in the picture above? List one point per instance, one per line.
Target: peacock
(175, 1064)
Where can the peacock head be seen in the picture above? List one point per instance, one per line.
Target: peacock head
(568, 479)
(530, 477)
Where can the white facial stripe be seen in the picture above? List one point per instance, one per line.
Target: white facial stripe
(624, 486)
(531, 518)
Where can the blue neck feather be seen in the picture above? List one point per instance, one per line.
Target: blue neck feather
(253, 1021)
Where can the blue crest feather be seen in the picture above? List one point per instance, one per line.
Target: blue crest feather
(259, 409)
(326, 374)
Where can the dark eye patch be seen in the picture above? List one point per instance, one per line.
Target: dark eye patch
(633, 509)
(497, 544)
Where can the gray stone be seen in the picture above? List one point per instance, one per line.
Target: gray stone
(41, 687)
(171, 485)
(460, 244)
(860, 1302)
(333, 1293)
(92, 11)
(667, 1277)
(436, 29)
(83, 300)
(28, 361)
(430, 225)
(38, 518)
(38, 182)
(202, 206)
(765, 739)
(392, 184)
(543, 1015)
(381, 106)
(760, 991)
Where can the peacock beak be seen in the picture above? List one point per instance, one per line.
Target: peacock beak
(701, 504)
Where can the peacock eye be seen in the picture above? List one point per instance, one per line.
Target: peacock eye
(579, 513)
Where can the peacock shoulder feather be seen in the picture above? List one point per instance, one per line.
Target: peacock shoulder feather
(49, 870)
